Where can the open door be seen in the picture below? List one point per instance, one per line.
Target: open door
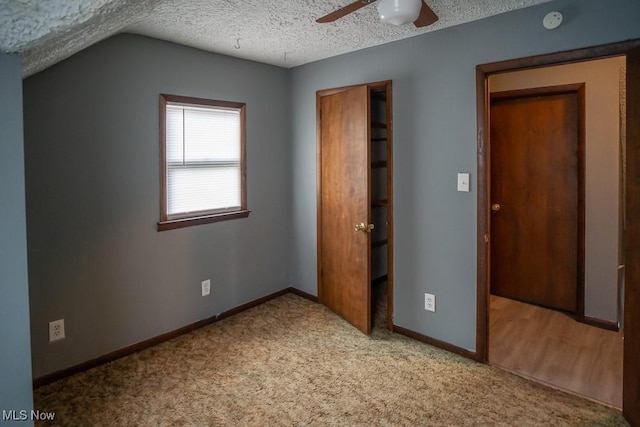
(344, 247)
(631, 376)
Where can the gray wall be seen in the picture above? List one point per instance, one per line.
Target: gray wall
(15, 351)
(434, 98)
(92, 166)
(92, 173)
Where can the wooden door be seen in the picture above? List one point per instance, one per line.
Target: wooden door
(631, 328)
(536, 220)
(344, 159)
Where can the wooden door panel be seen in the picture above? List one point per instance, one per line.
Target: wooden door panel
(344, 278)
(534, 178)
(631, 377)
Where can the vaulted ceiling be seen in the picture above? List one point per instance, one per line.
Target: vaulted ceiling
(279, 32)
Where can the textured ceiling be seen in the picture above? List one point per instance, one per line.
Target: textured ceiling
(278, 32)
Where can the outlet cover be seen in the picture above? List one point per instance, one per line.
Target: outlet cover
(430, 302)
(206, 287)
(56, 330)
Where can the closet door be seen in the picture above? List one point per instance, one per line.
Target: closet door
(344, 238)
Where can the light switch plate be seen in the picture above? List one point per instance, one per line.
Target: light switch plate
(463, 182)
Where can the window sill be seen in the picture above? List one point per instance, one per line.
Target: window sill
(199, 220)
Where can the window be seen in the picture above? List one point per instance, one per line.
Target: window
(202, 145)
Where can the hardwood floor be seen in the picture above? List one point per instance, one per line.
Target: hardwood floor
(551, 347)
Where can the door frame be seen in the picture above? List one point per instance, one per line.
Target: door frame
(632, 211)
(380, 86)
(579, 90)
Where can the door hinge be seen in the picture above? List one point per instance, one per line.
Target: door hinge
(486, 238)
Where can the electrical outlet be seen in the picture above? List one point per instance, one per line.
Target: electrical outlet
(56, 330)
(206, 287)
(430, 302)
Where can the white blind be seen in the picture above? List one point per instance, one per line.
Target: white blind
(203, 159)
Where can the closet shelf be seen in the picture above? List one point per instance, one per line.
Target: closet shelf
(379, 203)
(378, 243)
(380, 96)
(379, 279)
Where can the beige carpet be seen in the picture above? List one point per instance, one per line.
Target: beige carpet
(291, 362)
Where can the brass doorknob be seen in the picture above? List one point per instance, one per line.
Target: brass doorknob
(495, 207)
(364, 227)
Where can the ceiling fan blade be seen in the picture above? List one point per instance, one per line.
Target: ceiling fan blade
(344, 11)
(426, 17)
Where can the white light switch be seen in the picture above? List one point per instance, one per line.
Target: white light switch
(463, 182)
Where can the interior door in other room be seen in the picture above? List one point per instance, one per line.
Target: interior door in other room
(536, 215)
(344, 201)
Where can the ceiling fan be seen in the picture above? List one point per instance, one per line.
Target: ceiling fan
(395, 12)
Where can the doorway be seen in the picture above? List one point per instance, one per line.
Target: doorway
(539, 144)
(631, 381)
(355, 203)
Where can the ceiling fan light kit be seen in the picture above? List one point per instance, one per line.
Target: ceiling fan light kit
(399, 12)
(395, 12)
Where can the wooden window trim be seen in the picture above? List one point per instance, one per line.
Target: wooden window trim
(165, 222)
(203, 219)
